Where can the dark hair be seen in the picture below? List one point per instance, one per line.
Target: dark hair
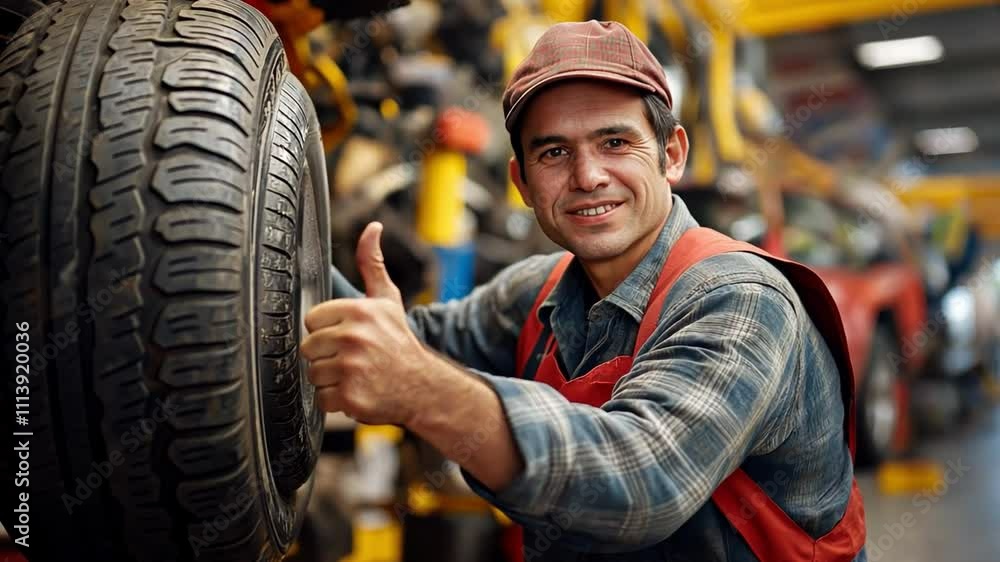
(656, 111)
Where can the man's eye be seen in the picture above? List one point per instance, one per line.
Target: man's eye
(553, 152)
(616, 143)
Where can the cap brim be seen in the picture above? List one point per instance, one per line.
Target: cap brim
(601, 75)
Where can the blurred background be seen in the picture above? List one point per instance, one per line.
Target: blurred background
(856, 136)
(859, 137)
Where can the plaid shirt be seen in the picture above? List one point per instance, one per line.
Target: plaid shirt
(734, 375)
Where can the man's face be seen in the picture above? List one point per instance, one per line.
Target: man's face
(592, 169)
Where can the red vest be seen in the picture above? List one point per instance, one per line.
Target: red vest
(769, 532)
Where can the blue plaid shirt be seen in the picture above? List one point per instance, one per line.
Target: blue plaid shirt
(734, 375)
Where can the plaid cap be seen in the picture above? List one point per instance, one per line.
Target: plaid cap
(602, 50)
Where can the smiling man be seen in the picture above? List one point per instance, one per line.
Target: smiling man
(656, 392)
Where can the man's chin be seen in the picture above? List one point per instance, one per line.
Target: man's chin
(596, 253)
(589, 246)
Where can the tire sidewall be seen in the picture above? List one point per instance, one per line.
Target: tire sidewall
(285, 512)
(882, 348)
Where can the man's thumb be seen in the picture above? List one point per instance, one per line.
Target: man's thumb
(371, 264)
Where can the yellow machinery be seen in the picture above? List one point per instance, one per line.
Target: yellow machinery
(442, 221)
(775, 17)
(294, 20)
(376, 533)
(979, 194)
(513, 36)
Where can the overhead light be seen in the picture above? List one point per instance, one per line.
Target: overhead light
(952, 140)
(900, 52)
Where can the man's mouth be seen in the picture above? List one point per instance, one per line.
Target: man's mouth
(595, 211)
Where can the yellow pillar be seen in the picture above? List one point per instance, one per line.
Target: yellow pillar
(441, 205)
(376, 535)
(631, 14)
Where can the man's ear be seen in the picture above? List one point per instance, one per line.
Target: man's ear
(515, 175)
(677, 153)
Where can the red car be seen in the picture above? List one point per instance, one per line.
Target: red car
(868, 267)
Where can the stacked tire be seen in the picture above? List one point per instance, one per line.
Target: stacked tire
(164, 227)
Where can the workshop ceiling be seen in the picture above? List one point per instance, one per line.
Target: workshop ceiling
(957, 95)
(921, 87)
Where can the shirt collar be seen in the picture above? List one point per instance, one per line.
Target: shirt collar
(632, 294)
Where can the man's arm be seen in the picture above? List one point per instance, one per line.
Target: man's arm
(367, 361)
(714, 381)
(480, 330)
(463, 418)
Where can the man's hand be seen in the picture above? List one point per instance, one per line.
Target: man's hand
(365, 360)
(367, 363)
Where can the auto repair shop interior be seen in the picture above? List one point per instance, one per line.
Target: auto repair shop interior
(205, 359)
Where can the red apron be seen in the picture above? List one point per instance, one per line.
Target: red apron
(769, 532)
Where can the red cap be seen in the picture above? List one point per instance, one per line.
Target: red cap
(601, 50)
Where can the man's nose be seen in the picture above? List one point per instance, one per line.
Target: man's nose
(589, 173)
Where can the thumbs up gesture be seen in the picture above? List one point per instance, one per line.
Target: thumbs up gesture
(372, 265)
(363, 357)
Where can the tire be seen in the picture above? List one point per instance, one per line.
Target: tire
(165, 223)
(14, 13)
(937, 406)
(993, 362)
(883, 404)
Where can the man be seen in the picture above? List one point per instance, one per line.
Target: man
(652, 394)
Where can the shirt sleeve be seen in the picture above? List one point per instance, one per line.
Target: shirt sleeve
(341, 288)
(712, 384)
(480, 330)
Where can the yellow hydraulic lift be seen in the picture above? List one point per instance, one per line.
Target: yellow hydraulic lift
(775, 17)
(702, 37)
(979, 194)
(515, 34)
(294, 20)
